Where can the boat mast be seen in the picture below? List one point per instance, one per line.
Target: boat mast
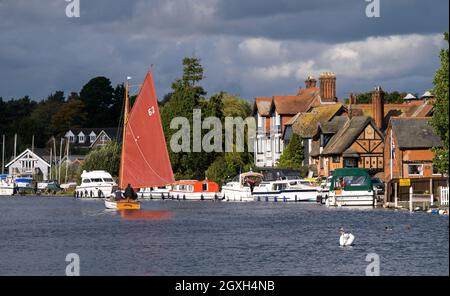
(125, 119)
(3, 155)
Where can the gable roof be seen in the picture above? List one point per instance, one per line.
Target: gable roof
(306, 124)
(414, 133)
(333, 126)
(342, 140)
(113, 133)
(25, 152)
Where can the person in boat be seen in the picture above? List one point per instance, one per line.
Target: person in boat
(129, 193)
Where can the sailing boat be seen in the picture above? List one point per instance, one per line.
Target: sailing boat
(145, 160)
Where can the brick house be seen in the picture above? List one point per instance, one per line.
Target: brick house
(408, 148)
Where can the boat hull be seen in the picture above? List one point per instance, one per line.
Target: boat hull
(237, 195)
(97, 191)
(351, 200)
(287, 196)
(122, 205)
(6, 190)
(194, 195)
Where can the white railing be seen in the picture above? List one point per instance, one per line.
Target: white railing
(444, 196)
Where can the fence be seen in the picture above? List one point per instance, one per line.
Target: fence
(422, 187)
(444, 196)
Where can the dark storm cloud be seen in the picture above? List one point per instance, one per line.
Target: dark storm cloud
(251, 47)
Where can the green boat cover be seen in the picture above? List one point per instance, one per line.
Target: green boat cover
(351, 179)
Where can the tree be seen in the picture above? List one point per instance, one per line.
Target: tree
(440, 119)
(394, 97)
(292, 156)
(98, 98)
(72, 114)
(105, 158)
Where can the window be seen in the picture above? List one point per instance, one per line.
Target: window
(259, 145)
(92, 138)
(415, 169)
(86, 181)
(205, 186)
(435, 170)
(108, 180)
(81, 139)
(350, 163)
(269, 145)
(278, 145)
(336, 159)
(72, 139)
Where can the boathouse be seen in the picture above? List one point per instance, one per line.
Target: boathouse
(30, 163)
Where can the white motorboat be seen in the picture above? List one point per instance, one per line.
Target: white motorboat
(286, 191)
(161, 192)
(7, 185)
(241, 188)
(351, 187)
(95, 184)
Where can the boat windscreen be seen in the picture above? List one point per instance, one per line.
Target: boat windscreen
(350, 183)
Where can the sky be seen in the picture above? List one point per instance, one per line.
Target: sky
(251, 48)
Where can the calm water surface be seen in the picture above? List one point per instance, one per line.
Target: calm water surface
(213, 238)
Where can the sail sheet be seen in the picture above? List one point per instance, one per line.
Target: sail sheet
(145, 160)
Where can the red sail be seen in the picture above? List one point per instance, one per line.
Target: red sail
(145, 160)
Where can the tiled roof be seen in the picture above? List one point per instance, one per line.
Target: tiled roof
(262, 106)
(414, 133)
(306, 124)
(413, 108)
(347, 135)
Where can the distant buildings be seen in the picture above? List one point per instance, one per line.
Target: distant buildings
(88, 138)
(337, 135)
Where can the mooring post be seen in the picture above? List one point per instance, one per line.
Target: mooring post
(431, 192)
(410, 199)
(395, 194)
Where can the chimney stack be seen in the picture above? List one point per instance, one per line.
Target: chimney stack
(352, 99)
(310, 82)
(328, 86)
(378, 106)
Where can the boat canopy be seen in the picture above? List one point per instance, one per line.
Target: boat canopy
(351, 179)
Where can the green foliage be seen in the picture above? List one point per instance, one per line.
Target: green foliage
(70, 115)
(98, 94)
(105, 158)
(394, 97)
(440, 119)
(292, 156)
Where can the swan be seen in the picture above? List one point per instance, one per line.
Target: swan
(346, 239)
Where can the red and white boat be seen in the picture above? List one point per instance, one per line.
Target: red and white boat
(195, 190)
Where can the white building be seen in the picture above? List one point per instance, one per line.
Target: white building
(30, 163)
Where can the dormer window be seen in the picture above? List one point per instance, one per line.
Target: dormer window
(92, 137)
(81, 138)
(72, 139)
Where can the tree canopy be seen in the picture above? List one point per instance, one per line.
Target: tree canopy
(440, 119)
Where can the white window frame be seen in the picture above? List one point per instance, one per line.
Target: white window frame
(416, 164)
(268, 145)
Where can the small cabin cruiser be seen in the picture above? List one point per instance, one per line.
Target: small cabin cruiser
(95, 184)
(195, 190)
(286, 191)
(7, 185)
(24, 184)
(241, 188)
(351, 187)
(161, 192)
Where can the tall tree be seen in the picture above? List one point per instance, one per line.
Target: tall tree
(97, 96)
(72, 114)
(292, 157)
(440, 119)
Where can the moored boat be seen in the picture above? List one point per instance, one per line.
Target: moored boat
(286, 191)
(95, 184)
(195, 190)
(161, 192)
(351, 187)
(241, 188)
(7, 185)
